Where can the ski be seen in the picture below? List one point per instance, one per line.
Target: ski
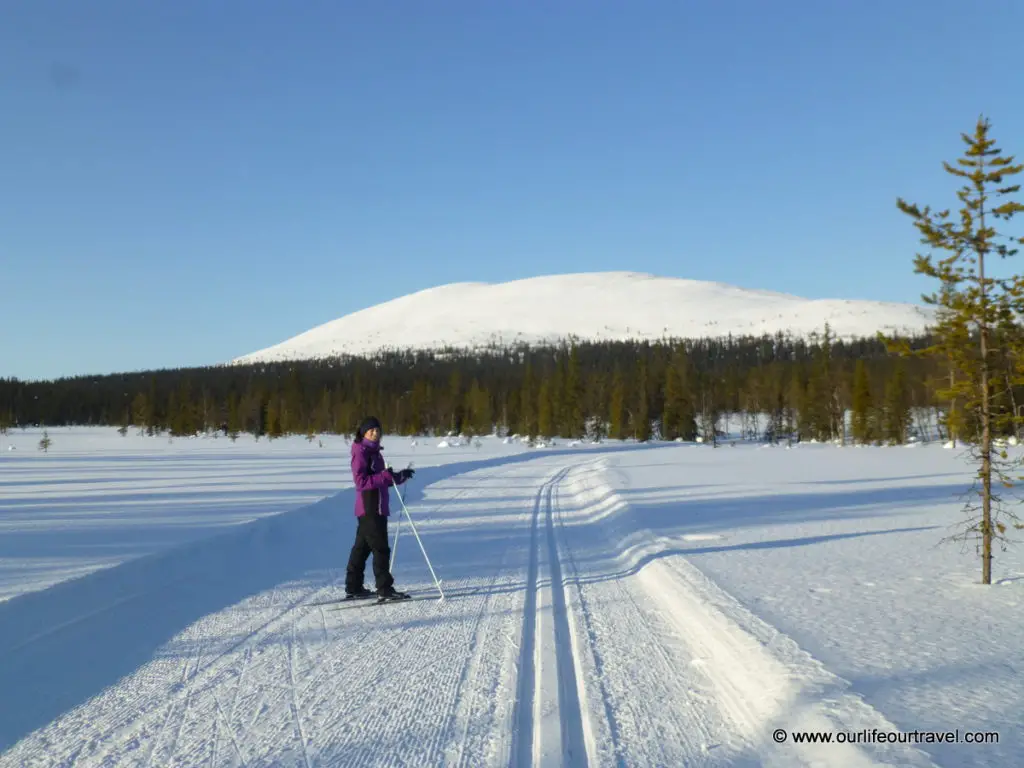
(384, 601)
(372, 599)
(332, 601)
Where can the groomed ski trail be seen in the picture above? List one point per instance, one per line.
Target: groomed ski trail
(553, 649)
(755, 679)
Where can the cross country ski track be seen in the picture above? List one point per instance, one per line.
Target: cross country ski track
(553, 648)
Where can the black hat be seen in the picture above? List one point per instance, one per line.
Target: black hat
(370, 422)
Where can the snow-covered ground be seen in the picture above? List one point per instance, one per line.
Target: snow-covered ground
(597, 306)
(606, 605)
(96, 499)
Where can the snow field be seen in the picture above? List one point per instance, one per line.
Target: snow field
(607, 605)
(841, 551)
(98, 499)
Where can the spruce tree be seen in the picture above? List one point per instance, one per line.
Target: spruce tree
(642, 412)
(896, 411)
(152, 410)
(545, 409)
(862, 421)
(678, 417)
(710, 410)
(528, 403)
(617, 406)
(419, 402)
(455, 401)
(141, 412)
(777, 399)
(478, 409)
(972, 307)
(322, 416)
(273, 424)
(671, 399)
(234, 416)
(575, 421)
(557, 395)
(795, 407)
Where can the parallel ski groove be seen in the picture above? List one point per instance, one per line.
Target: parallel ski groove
(585, 618)
(570, 712)
(523, 725)
(662, 672)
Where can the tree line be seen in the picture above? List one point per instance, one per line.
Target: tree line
(777, 387)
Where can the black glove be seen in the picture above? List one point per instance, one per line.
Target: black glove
(402, 475)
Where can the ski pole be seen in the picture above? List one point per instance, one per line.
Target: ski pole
(398, 529)
(437, 581)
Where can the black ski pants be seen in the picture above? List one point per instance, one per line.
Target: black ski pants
(371, 537)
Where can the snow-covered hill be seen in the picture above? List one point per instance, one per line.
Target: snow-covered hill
(600, 306)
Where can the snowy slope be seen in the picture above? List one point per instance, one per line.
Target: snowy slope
(593, 306)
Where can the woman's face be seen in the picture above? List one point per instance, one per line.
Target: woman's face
(373, 434)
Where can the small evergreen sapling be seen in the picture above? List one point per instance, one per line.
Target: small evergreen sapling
(977, 331)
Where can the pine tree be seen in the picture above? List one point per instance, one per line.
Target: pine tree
(479, 410)
(152, 415)
(322, 416)
(455, 400)
(557, 395)
(234, 422)
(292, 417)
(141, 411)
(418, 402)
(972, 307)
(642, 414)
(596, 398)
(896, 412)
(527, 404)
(710, 410)
(575, 421)
(795, 407)
(545, 409)
(677, 417)
(181, 410)
(776, 397)
(822, 415)
(273, 418)
(862, 422)
(234, 416)
(46, 442)
(617, 406)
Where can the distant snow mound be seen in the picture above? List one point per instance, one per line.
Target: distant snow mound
(597, 306)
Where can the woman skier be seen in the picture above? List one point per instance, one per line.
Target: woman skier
(372, 479)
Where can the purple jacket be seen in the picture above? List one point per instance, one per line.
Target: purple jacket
(372, 479)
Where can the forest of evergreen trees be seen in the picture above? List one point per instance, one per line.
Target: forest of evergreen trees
(668, 390)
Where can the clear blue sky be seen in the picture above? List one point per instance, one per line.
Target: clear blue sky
(183, 182)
